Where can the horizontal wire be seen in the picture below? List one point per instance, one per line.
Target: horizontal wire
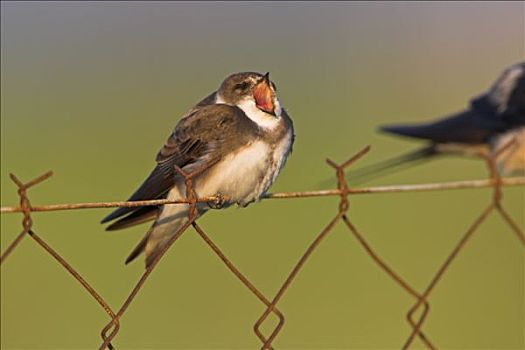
(513, 181)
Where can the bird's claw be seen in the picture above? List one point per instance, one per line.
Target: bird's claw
(218, 203)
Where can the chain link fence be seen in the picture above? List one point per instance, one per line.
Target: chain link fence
(421, 305)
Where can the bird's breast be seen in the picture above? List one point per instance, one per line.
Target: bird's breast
(245, 174)
(239, 174)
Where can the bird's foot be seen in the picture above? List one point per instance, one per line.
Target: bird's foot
(218, 203)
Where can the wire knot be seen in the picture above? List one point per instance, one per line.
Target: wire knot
(25, 204)
(342, 184)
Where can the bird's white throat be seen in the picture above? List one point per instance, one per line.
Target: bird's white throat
(261, 118)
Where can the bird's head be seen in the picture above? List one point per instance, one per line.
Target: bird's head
(250, 90)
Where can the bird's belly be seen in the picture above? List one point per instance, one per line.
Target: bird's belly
(243, 176)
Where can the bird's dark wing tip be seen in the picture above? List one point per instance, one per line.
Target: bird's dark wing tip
(138, 249)
(111, 228)
(116, 214)
(129, 259)
(112, 216)
(394, 129)
(138, 216)
(420, 131)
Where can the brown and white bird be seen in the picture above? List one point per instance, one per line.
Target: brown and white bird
(492, 121)
(239, 134)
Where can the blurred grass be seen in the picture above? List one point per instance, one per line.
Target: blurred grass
(91, 91)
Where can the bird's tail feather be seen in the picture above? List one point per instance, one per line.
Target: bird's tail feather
(170, 220)
(138, 249)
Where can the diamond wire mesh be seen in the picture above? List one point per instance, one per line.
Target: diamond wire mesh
(110, 331)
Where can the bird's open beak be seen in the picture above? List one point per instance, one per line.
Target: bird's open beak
(264, 95)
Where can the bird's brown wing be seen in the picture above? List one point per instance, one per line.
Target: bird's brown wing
(198, 141)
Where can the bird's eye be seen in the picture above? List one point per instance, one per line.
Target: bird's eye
(242, 86)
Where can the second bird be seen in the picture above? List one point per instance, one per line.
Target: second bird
(240, 135)
(494, 122)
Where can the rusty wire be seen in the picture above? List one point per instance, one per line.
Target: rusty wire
(27, 224)
(495, 204)
(243, 279)
(342, 186)
(452, 185)
(192, 215)
(343, 191)
(192, 200)
(25, 207)
(343, 206)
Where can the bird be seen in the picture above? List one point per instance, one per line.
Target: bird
(239, 135)
(493, 124)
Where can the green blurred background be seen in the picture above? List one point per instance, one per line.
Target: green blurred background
(92, 90)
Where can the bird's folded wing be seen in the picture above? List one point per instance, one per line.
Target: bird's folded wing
(197, 142)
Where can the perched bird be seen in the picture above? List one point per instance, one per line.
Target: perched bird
(492, 121)
(240, 135)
